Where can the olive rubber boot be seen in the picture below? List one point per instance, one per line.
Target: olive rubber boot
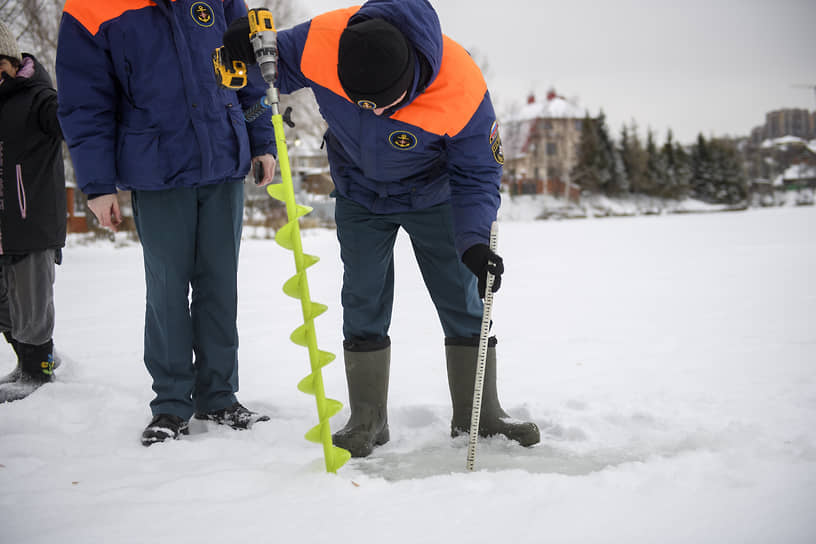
(367, 378)
(462, 364)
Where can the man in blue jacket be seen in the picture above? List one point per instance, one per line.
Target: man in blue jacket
(141, 111)
(413, 143)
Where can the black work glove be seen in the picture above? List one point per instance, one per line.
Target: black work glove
(481, 260)
(236, 41)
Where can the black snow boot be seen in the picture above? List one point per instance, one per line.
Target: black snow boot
(15, 374)
(164, 427)
(462, 358)
(236, 416)
(367, 379)
(36, 367)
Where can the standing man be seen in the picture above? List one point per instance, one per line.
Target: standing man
(412, 143)
(32, 216)
(141, 111)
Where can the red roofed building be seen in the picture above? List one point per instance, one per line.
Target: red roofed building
(540, 144)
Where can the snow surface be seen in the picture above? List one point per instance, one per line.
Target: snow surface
(670, 362)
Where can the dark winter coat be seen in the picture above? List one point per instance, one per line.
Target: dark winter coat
(440, 145)
(139, 103)
(32, 201)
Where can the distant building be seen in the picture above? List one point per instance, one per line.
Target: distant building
(786, 122)
(798, 176)
(540, 144)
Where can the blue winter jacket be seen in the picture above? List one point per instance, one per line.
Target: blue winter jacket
(440, 145)
(138, 100)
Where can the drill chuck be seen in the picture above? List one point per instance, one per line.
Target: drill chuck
(265, 45)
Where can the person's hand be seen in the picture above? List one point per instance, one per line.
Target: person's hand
(236, 41)
(480, 260)
(106, 209)
(266, 164)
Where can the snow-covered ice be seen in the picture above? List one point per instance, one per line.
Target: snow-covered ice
(670, 362)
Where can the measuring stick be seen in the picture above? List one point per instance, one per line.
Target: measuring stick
(478, 386)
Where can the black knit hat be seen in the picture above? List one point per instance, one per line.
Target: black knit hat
(375, 63)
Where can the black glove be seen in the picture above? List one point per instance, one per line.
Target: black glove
(481, 260)
(236, 41)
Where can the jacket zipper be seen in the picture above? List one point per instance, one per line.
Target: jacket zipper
(21, 196)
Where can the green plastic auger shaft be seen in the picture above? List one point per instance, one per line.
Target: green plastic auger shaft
(297, 287)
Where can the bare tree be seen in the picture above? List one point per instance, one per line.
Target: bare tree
(35, 23)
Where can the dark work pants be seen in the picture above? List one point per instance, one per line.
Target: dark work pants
(367, 250)
(190, 239)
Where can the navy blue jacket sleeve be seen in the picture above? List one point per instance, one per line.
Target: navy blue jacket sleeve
(290, 50)
(475, 169)
(87, 106)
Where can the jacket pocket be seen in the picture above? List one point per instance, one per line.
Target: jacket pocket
(235, 117)
(138, 160)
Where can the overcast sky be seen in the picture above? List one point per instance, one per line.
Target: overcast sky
(710, 66)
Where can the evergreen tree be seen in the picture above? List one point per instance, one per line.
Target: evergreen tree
(676, 169)
(702, 185)
(586, 172)
(634, 159)
(682, 171)
(614, 181)
(731, 184)
(655, 167)
(717, 175)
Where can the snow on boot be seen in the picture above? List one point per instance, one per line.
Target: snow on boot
(367, 379)
(462, 358)
(15, 374)
(164, 427)
(236, 416)
(36, 368)
(12, 376)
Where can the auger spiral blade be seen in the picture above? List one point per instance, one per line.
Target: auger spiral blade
(297, 287)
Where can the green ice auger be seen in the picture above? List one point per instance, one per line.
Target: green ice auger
(297, 287)
(263, 38)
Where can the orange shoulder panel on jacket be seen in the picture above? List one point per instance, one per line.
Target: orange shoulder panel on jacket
(319, 59)
(451, 100)
(92, 13)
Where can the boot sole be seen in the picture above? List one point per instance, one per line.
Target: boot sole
(365, 449)
(528, 437)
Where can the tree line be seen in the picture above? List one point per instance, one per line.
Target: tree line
(709, 170)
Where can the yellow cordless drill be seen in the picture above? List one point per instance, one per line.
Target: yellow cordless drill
(232, 74)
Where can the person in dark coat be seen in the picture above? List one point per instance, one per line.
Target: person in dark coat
(32, 216)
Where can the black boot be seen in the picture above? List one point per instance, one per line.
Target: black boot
(37, 361)
(367, 379)
(164, 427)
(236, 416)
(36, 368)
(15, 374)
(462, 363)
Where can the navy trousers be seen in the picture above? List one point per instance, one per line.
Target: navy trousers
(190, 239)
(367, 250)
